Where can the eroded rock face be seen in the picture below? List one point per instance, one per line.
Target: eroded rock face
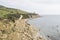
(19, 30)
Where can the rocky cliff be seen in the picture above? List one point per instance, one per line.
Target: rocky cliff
(19, 30)
(14, 26)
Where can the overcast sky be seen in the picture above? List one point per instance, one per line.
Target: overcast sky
(42, 7)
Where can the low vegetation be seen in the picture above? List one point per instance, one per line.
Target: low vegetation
(11, 28)
(13, 14)
(5, 12)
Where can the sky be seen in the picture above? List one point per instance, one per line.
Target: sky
(41, 7)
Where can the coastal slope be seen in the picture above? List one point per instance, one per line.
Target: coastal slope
(14, 26)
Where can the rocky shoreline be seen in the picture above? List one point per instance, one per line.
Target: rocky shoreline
(14, 26)
(20, 30)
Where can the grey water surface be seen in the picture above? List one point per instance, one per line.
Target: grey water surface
(48, 25)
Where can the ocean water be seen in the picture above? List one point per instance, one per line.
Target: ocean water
(49, 25)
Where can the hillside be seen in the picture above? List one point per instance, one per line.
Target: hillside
(5, 11)
(19, 29)
(14, 14)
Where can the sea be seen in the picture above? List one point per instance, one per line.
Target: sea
(49, 25)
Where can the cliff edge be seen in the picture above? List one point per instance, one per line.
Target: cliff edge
(19, 30)
(14, 26)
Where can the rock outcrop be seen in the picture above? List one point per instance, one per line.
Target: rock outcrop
(20, 30)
